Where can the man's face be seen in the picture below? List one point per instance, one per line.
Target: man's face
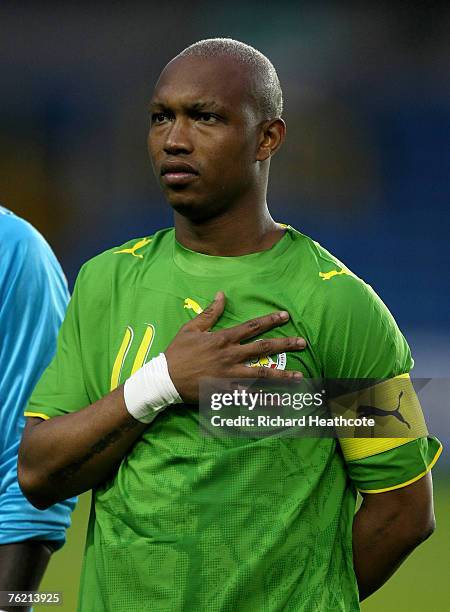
(204, 135)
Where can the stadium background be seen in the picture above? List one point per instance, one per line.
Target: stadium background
(363, 170)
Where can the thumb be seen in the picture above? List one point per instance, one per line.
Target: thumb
(212, 313)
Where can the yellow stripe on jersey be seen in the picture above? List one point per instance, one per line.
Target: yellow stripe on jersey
(121, 356)
(41, 415)
(144, 348)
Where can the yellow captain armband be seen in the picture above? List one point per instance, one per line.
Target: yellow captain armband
(395, 450)
(395, 408)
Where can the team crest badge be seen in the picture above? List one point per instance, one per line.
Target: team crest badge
(268, 361)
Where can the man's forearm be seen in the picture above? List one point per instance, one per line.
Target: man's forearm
(377, 551)
(388, 527)
(70, 454)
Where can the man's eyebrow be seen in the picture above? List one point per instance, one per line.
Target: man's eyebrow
(205, 105)
(200, 105)
(156, 104)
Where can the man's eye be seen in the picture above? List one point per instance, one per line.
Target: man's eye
(159, 117)
(207, 117)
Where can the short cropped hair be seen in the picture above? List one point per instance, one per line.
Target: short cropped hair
(266, 84)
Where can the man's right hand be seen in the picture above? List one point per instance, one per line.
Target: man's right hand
(196, 352)
(68, 454)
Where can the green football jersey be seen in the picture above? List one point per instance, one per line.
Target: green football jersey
(191, 523)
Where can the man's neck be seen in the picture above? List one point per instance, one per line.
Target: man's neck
(230, 235)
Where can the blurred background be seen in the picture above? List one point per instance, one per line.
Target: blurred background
(364, 170)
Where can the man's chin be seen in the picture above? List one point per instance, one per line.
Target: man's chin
(183, 206)
(192, 209)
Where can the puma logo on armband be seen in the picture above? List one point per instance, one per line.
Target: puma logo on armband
(368, 411)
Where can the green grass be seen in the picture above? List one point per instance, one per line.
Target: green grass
(422, 583)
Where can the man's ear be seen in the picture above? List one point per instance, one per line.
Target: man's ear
(273, 133)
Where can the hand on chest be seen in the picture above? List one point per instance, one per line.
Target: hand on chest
(152, 326)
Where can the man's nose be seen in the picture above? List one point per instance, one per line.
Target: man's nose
(178, 139)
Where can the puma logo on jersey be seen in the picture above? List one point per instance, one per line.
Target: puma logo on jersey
(135, 247)
(367, 411)
(191, 304)
(328, 275)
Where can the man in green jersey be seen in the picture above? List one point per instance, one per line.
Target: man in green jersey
(184, 522)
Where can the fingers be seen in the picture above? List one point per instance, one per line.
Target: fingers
(270, 346)
(212, 313)
(254, 327)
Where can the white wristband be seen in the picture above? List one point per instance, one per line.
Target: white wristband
(150, 389)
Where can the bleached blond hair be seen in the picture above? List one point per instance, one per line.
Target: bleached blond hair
(266, 84)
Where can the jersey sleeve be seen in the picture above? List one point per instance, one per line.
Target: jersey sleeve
(363, 341)
(62, 388)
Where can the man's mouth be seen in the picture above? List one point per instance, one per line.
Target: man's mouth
(178, 173)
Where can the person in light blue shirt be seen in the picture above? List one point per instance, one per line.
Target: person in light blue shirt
(33, 300)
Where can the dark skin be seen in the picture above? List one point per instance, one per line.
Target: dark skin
(387, 528)
(211, 121)
(22, 566)
(210, 147)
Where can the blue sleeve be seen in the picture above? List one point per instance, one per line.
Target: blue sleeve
(33, 300)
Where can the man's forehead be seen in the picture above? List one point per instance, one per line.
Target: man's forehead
(191, 79)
